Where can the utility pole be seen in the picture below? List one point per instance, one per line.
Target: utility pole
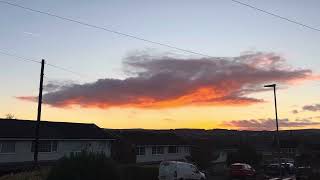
(277, 124)
(36, 142)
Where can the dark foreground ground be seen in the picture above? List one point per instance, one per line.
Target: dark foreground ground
(258, 178)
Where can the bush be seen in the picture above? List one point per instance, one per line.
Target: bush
(85, 166)
(40, 174)
(135, 172)
(245, 154)
(201, 157)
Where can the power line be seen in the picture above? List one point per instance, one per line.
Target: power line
(277, 16)
(21, 58)
(18, 57)
(65, 69)
(104, 29)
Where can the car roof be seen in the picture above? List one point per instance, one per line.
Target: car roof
(175, 162)
(235, 164)
(274, 164)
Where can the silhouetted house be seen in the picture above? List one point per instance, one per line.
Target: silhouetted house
(57, 139)
(311, 148)
(265, 149)
(289, 150)
(154, 147)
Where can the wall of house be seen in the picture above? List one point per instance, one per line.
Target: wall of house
(23, 150)
(149, 157)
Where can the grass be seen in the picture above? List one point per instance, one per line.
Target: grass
(31, 175)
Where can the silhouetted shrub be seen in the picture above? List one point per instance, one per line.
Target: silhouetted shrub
(123, 152)
(40, 174)
(245, 154)
(201, 157)
(85, 166)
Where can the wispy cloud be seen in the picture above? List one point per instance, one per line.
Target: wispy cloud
(314, 107)
(162, 81)
(31, 34)
(269, 124)
(169, 119)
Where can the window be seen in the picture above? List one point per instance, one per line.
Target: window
(140, 151)
(187, 149)
(46, 146)
(157, 150)
(173, 149)
(7, 147)
(54, 146)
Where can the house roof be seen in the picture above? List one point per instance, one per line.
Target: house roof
(25, 129)
(145, 137)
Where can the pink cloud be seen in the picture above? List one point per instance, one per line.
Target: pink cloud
(269, 124)
(161, 82)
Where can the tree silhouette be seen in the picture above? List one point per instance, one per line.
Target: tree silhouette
(245, 154)
(9, 116)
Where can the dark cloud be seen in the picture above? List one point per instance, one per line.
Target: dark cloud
(295, 111)
(314, 108)
(57, 85)
(269, 124)
(160, 82)
(27, 98)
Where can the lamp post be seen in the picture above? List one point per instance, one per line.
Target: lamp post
(277, 123)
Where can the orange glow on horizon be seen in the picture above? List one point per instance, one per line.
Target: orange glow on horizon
(204, 96)
(193, 116)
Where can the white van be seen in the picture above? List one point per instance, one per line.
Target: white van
(174, 170)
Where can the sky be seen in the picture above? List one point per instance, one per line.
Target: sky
(122, 82)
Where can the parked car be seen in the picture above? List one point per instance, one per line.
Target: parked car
(242, 171)
(303, 173)
(175, 170)
(272, 170)
(289, 168)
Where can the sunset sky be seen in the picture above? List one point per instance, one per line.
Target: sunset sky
(120, 82)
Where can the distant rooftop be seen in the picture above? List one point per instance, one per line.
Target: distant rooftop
(144, 137)
(25, 129)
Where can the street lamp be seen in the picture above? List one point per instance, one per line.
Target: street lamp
(276, 111)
